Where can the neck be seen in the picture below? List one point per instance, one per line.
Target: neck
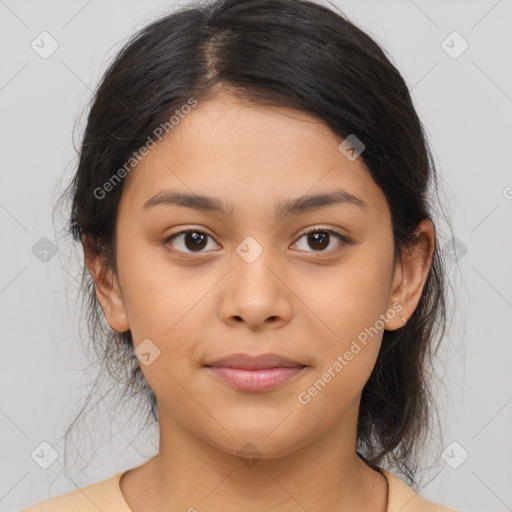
(191, 474)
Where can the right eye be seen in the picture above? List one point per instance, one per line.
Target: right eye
(188, 241)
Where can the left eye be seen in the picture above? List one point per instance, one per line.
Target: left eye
(195, 241)
(319, 239)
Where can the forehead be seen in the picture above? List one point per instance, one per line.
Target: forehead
(250, 154)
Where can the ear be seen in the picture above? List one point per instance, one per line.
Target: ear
(107, 288)
(410, 275)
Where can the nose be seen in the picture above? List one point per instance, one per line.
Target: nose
(256, 295)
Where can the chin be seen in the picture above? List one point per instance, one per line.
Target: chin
(258, 444)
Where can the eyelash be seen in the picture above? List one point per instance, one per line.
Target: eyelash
(337, 235)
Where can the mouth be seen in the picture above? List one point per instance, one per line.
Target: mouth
(255, 374)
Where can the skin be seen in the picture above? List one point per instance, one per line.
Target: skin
(306, 304)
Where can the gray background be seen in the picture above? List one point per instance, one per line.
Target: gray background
(465, 104)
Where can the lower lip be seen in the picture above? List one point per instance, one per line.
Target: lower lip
(255, 380)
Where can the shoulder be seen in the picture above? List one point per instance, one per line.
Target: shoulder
(105, 496)
(404, 499)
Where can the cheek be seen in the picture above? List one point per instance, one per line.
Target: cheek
(349, 350)
(165, 304)
(157, 296)
(350, 304)
(352, 297)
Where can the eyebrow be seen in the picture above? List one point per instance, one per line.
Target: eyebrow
(283, 208)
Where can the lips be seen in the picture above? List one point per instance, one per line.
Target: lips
(255, 373)
(247, 362)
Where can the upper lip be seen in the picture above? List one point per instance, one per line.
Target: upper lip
(247, 362)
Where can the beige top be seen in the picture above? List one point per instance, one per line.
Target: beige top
(107, 497)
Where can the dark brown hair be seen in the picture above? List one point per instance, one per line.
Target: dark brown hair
(291, 53)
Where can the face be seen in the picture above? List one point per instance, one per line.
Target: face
(248, 279)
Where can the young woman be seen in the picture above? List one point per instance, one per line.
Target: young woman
(252, 198)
